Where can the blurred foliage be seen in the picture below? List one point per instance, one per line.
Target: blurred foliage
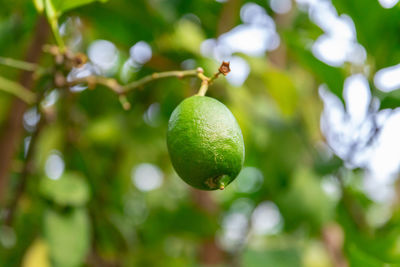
(96, 214)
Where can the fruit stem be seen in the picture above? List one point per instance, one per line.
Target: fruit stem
(222, 181)
(206, 81)
(203, 88)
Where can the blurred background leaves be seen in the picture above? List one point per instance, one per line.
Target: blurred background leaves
(314, 86)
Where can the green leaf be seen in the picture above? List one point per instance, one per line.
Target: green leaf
(390, 100)
(282, 89)
(382, 245)
(188, 36)
(311, 202)
(70, 190)
(358, 257)
(277, 258)
(65, 5)
(37, 255)
(68, 236)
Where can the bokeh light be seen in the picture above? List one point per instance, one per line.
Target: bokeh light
(31, 118)
(240, 69)
(147, 177)
(8, 238)
(140, 52)
(281, 6)
(104, 54)
(55, 165)
(152, 115)
(249, 180)
(266, 219)
(388, 79)
(388, 3)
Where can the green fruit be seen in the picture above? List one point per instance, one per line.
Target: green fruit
(205, 143)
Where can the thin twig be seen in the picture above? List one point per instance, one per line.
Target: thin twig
(159, 75)
(92, 81)
(19, 64)
(121, 90)
(17, 90)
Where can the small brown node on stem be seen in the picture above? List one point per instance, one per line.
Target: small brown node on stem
(68, 54)
(59, 79)
(59, 59)
(79, 60)
(51, 49)
(224, 68)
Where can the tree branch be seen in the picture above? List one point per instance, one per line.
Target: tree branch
(159, 75)
(23, 179)
(113, 84)
(121, 90)
(92, 81)
(11, 137)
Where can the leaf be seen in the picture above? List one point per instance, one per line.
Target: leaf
(390, 100)
(70, 190)
(65, 5)
(68, 236)
(358, 257)
(311, 202)
(382, 245)
(277, 258)
(37, 255)
(282, 89)
(105, 130)
(324, 165)
(188, 36)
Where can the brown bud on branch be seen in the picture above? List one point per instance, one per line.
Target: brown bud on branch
(224, 68)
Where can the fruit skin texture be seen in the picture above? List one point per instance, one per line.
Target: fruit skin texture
(205, 143)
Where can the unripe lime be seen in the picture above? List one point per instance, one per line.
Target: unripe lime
(205, 143)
